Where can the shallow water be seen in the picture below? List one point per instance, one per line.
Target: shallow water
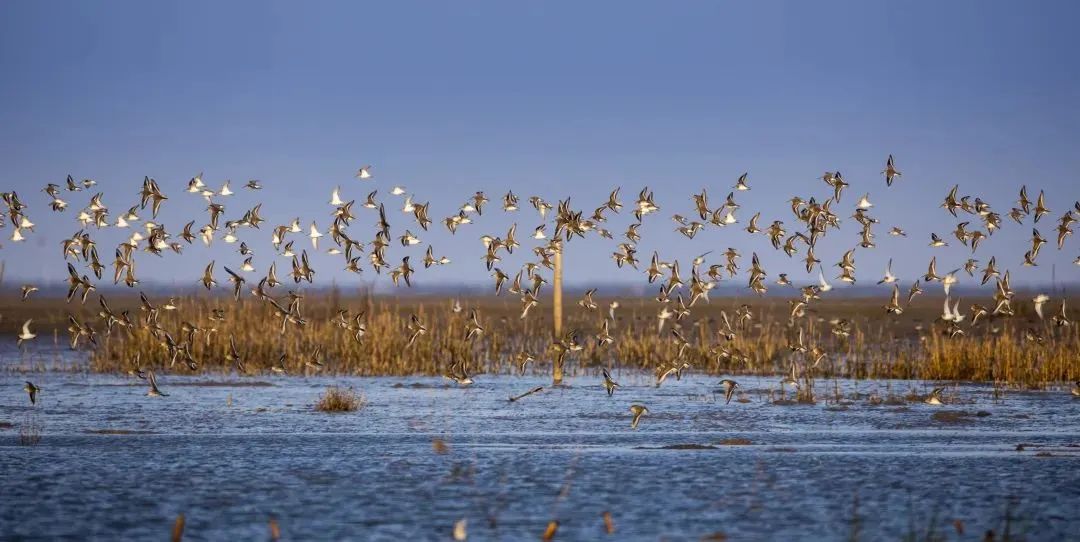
(115, 464)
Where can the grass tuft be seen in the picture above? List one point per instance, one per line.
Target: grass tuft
(336, 399)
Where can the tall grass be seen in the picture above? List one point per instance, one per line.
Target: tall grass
(910, 346)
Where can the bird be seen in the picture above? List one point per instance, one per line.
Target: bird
(740, 184)
(153, 391)
(935, 397)
(234, 356)
(473, 328)
(729, 387)
(889, 276)
(893, 306)
(823, 285)
(1061, 319)
(208, 276)
(864, 202)
(949, 280)
(609, 384)
(638, 411)
(32, 391)
(1039, 301)
(314, 361)
(611, 309)
(281, 366)
(890, 171)
(931, 272)
(791, 379)
(1040, 207)
(416, 328)
(25, 334)
(238, 282)
(522, 359)
(587, 301)
(456, 372)
(28, 289)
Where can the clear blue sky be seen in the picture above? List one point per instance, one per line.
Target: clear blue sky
(551, 98)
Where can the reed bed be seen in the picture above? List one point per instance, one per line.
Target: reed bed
(878, 346)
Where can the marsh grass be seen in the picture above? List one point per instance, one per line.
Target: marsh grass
(909, 346)
(336, 399)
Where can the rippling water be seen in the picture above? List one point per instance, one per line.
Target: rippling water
(114, 464)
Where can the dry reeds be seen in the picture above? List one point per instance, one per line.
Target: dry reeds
(874, 345)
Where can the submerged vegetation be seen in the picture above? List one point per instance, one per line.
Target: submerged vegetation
(855, 341)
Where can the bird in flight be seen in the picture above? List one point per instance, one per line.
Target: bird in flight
(638, 411)
(32, 391)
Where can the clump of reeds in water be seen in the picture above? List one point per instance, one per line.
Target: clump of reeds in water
(337, 399)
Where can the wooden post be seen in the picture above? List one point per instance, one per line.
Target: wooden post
(557, 369)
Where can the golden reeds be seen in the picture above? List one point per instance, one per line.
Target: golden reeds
(911, 346)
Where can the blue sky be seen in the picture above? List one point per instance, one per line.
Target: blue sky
(556, 99)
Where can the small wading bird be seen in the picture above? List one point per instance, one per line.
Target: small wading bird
(154, 391)
(28, 289)
(638, 411)
(25, 334)
(32, 391)
(890, 171)
(935, 397)
(456, 372)
(729, 387)
(609, 384)
(791, 379)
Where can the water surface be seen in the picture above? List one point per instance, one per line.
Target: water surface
(115, 464)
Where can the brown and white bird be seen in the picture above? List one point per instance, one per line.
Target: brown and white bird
(32, 391)
(153, 391)
(890, 171)
(729, 387)
(25, 334)
(609, 384)
(638, 411)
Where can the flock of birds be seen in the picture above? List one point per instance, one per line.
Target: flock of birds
(815, 219)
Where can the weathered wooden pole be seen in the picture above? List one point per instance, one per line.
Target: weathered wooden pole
(557, 369)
